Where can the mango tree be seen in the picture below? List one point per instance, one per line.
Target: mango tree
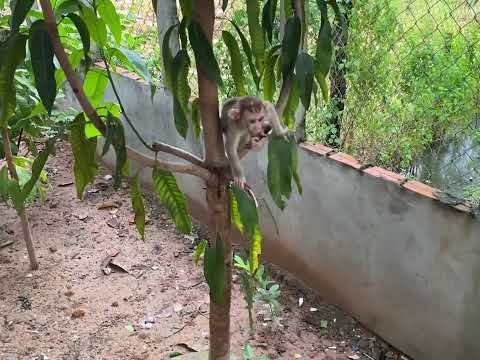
(273, 61)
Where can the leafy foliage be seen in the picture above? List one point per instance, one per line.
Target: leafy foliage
(214, 270)
(137, 204)
(174, 200)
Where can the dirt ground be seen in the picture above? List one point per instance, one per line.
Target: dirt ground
(70, 309)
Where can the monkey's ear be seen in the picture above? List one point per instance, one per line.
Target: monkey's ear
(234, 113)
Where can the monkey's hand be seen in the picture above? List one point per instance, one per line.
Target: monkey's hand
(239, 182)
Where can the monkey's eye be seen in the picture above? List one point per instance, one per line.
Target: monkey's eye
(253, 121)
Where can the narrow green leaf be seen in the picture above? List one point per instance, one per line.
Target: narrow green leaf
(279, 171)
(66, 7)
(199, 250)
(235, 214)
(137, 62)
(214, 271)
(115, 136)
(268, 18)
(4, 183)
(168, 58)
(294, 153)
(37, 168)
(84, 36)
(323, 55)
(322, 82)
(181, 88)
(288, 8)
(305, 71)
(85, 166)
(19, 10)
(109, 15)
(154, 6)
(137, 204)
(224, 4)
(12, 54)
(236, 67)
(196, 121)
(247, 210)
(41, 52)
(94, 85)
(96, 26)
(174, 200)
(256, 33)
(292, 105)
(290, 45)
(187, 10)
(180, 119)
(203, 51)
(255, 250)
(268, 78)
(248, 53)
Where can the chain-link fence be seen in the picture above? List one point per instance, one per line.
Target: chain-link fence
(405, 90)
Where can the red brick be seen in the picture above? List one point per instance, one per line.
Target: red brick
(385, 174)
(317, 148)
(347, 160)
(421, 188)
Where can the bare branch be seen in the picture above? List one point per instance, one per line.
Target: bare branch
(169, 149)
(90, 111)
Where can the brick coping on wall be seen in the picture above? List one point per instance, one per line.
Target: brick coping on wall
(414, 186)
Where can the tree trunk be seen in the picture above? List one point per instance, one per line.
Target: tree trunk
(217, 188)
(27, 235)
(338, 72)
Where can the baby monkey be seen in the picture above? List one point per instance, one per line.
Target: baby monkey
(247, 121)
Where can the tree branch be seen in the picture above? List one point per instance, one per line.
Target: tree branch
(169, 149)
(192, 169)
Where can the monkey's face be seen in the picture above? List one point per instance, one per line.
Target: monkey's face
(254, 121)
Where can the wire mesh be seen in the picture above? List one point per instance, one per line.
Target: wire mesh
(405, 90)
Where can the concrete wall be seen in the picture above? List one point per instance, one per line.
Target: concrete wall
(382, 248)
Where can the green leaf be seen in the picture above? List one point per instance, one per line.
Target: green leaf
(288, 8)
(66, 7)
(174, 200)
(255, 250)
(94, 85)
(322, 82)
(268, 18)
(323, 55)
(135, 60)
(294, 159)
(168, 58)
(4, 183)
(292, 105)
(247, 210)
(96, 26)
(235, 214)
(214, 270)
(268, 79)
(181, 91)
(41, 51)
(115, 136)
(279, 171)
(304, 69)
(256, 33)
(187, 10)
(37, 168)
(85, 166)
(236, 67)
(199, 250)
(196, 121)
(248, 53)
(84, 36)
(154, 6)
(290, 45)
(109, 15)
(12, 53)
(19, 10)
(224, 4)
(137, 205)
(203, 51)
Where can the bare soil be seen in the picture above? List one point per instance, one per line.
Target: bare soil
(158, 308)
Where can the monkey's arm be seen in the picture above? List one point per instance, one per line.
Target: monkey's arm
(277, 127)
(232, 143)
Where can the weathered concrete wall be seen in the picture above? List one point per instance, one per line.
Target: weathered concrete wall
(382, 248)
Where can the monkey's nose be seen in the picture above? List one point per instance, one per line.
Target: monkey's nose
(267, 128)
